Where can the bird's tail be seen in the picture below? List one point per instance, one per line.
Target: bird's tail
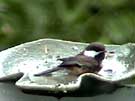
(44, 73)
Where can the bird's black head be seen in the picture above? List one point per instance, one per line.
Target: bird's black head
(95, 46)
(95, 50)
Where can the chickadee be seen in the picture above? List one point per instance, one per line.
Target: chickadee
(87, 61)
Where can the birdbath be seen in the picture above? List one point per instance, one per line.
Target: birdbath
(24, 60)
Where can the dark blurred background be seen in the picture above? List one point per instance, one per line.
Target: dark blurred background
(107, 21)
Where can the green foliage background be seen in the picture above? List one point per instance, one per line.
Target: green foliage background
(107, 21)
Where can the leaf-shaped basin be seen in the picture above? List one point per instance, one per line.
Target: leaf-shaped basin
(33, 57)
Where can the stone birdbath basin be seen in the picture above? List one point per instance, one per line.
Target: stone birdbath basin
(33, 57)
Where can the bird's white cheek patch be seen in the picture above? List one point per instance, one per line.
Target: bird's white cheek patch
(90, 53)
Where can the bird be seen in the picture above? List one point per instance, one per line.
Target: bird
(87, 61)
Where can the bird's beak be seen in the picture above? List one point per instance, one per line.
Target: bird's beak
(103, 52)
(109, 53)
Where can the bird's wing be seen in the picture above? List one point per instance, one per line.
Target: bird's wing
(70, 61)
(87, 61)
(81, 61)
